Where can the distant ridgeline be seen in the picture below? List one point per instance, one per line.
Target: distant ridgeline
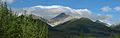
(13, 26)
(83, 28)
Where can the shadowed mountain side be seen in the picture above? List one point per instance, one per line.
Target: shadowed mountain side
(75, 27)
(116, 27)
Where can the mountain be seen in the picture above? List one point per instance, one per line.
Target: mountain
(70, 27)
(76, 27)
(98, 21)
(61, 18)
(38, 17)
(116, 27)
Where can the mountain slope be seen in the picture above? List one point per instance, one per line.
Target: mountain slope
(61, 18)
(116, 27)
(84, 25)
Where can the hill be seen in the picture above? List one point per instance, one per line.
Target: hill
(86, 27)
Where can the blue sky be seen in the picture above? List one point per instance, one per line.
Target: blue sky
(93, 5)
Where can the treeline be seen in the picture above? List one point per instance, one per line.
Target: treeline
(13, 26)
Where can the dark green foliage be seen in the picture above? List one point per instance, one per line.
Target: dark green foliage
(82, 34)
(117, 27)
(82, 28)
(12, 26)
(115, 35)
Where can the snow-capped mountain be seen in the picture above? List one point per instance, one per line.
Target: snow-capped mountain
(61, 18)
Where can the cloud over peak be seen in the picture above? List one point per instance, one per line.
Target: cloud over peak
(49, 12)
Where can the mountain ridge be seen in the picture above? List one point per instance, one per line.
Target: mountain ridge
(59, 19)
(86, 25)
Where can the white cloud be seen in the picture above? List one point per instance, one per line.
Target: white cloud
(51, 11)
(106, 9)
(88, 14)
(8, 1)
(117, 8)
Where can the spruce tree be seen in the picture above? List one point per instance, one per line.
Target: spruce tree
(12, 26)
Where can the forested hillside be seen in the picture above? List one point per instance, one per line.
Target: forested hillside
(30, 26)
(13, 26)
(83, 28)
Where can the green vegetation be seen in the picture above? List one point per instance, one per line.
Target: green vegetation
(115, 35)
(82, 34)
(13, 26)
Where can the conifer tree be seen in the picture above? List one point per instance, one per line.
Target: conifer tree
(12, 26)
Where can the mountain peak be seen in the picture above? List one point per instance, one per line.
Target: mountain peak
(61, 18)
(98, 21)
(86, 19)
(62, 14)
